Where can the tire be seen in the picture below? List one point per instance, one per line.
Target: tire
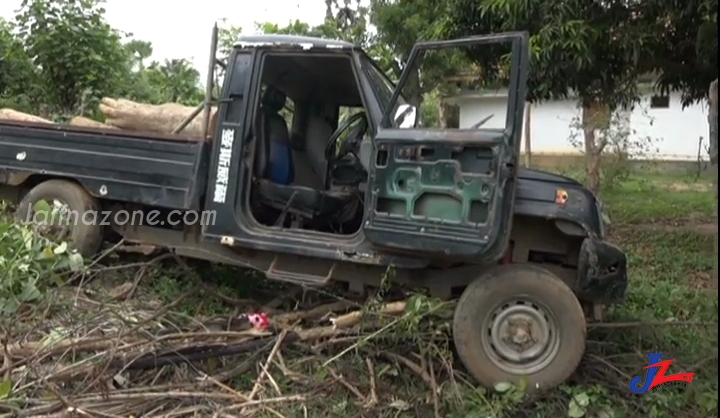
(85, 237)
(534, 295)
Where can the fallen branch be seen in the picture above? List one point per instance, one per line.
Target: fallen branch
(652, 324)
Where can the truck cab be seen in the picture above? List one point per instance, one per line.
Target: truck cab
(318, 153)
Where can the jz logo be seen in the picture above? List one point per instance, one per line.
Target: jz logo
(655, 374)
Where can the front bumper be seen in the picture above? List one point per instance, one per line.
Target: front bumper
(602, 272)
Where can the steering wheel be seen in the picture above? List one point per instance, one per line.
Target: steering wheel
(351, 141)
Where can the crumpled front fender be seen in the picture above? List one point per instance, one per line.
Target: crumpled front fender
(602, 271)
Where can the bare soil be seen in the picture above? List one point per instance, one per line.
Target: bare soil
(684, 186)
(701, 280)
(703, 228)
(692, 222)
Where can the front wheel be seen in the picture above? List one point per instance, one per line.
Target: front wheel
(519, 323)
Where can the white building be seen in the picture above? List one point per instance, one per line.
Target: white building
(675, 132)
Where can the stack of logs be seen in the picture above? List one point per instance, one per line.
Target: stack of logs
(126, 115)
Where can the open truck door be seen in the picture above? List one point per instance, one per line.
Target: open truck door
(448, 191)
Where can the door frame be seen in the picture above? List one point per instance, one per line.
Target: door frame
(225, 213)
(234, 226)
(412, 233)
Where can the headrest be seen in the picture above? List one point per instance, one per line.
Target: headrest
(273, 99)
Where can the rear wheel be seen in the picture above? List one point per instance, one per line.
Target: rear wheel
(68, 202)
(519, 323)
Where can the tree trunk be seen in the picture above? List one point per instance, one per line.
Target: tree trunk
(89, 123)
(441, 113)
(594, 118)
(131, 116)
(14, 115)
(713, 125)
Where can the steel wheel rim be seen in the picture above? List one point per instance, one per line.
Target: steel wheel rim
(521, 337)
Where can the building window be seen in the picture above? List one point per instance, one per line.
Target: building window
(660, 102)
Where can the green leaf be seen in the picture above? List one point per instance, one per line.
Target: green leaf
(575, 410)
(503, 387)
(212, 364)
(30, 292)
(522, 384)
(606, 413)
(61, 249)
(400, 405)
(5, 388)
(41, 206)
(9, 306)
(76, 262)
(53, 337)
(47, 252)
(320, 374)
(582, 399)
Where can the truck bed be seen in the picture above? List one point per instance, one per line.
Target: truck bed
(163, 171)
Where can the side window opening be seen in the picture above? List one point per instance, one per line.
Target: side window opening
(311, 121)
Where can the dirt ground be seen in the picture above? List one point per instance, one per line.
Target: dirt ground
(700, 227)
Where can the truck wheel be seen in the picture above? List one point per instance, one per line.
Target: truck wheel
(519, 323)
(83, 236)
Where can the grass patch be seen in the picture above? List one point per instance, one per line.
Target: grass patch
(669, 274)
(650, 200)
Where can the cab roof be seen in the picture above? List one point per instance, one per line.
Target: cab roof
(290, 40)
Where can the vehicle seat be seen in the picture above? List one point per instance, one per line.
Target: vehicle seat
(279, 167)
(274, 169)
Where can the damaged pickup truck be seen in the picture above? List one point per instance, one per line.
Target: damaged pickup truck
(344, 183)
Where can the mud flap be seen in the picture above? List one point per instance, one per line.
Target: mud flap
(602, 271)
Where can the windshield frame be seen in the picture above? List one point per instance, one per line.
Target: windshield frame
(374, 74)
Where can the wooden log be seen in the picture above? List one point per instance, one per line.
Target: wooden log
(14, 115)
(89, 123)
(132, 116)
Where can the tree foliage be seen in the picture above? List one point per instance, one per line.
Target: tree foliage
(584, 47)
(17, 81)
(684, 47)
(402, 23)
(598, 50)
(75, 52)
(175, 80)
(60, 57)
(348, 22)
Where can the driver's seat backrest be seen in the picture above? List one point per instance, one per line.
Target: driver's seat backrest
(273, 155)
(319, 129)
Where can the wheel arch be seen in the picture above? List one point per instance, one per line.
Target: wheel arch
(546, 235)
(22, 183)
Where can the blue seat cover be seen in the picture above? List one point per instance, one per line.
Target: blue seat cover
(281, 170)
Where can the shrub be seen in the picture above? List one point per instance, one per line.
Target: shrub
(30, 264)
